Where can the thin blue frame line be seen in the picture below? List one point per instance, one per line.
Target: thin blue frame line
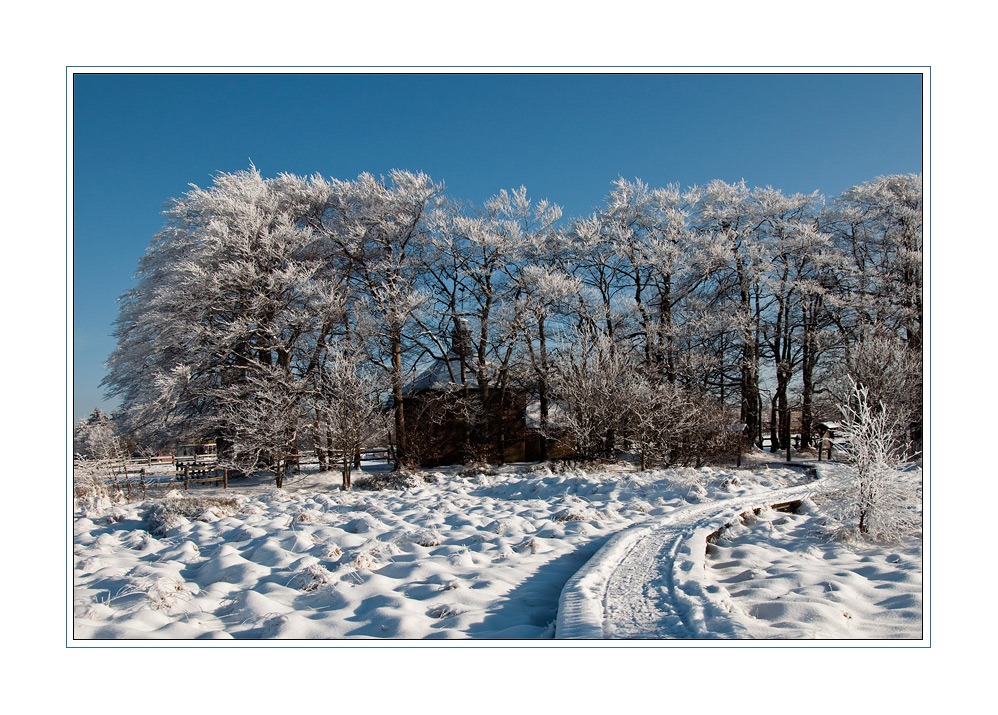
(927, 131)
(65, 378)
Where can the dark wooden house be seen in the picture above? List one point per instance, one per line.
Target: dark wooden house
(450, 419)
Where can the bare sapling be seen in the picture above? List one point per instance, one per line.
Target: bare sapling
(881, 496)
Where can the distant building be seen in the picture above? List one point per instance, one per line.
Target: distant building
(446, 421)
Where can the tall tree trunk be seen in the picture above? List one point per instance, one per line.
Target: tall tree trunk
(774, 431)
(751, 412)
(318, 440)
(345, 460)
(401, 441)
(666, 318)
(807, 398)
(542, 385)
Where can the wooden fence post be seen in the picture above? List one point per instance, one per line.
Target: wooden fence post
(187, 478)
(225, 478)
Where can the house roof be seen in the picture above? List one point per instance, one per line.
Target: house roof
(437, 377)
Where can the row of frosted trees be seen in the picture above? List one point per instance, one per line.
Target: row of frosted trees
(271, 310)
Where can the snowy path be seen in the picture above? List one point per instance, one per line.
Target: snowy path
(647, 582)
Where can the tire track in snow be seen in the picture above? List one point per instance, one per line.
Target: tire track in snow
(647, 582)
(626, 616)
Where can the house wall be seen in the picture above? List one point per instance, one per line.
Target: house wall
(442, 427)
(557, 448)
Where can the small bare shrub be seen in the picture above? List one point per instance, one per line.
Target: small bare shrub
(166, 515)
(312, 578)
(391, 480)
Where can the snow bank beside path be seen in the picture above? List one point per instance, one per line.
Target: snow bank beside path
(785, 578)
(645, 582)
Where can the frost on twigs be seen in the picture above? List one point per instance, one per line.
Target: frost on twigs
(878, 497)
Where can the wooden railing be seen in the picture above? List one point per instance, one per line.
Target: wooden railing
(336, 456)
(187, 476)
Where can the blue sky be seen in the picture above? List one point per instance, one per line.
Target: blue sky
(140, 139)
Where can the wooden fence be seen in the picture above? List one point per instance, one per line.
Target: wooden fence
(131, 474)
(336, 457)
(187, 476)
(159, 459)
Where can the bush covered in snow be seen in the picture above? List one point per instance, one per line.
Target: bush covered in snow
(879, 496)
(392, 480)
(172, 512)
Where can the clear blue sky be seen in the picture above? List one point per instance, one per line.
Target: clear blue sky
(140, 139)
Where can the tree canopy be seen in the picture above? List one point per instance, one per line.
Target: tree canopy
(265, 306)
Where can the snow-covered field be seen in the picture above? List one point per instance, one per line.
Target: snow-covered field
(784, 579)
(459, 554)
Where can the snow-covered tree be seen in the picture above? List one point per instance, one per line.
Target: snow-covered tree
(349, 397)
(794, 255)
(876, 302)
(225, 298)
(94, 437)
(591, 384)
(99, 461)
(884, 365)
(669, 424)
(532, 287)
(262, 418)
(381, 229)
(653, 240)
(245, 300)
(880, 498)
(544, 294)
(879, 225)
(729, 221)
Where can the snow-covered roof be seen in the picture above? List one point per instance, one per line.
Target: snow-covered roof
(437, 377)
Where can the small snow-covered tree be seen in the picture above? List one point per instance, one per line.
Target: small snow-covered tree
(262, 416)
(350, 400)
(100, 455)
(879, 498)
(668, 424)
(94, 438)
(591, 385)
(891, 370)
